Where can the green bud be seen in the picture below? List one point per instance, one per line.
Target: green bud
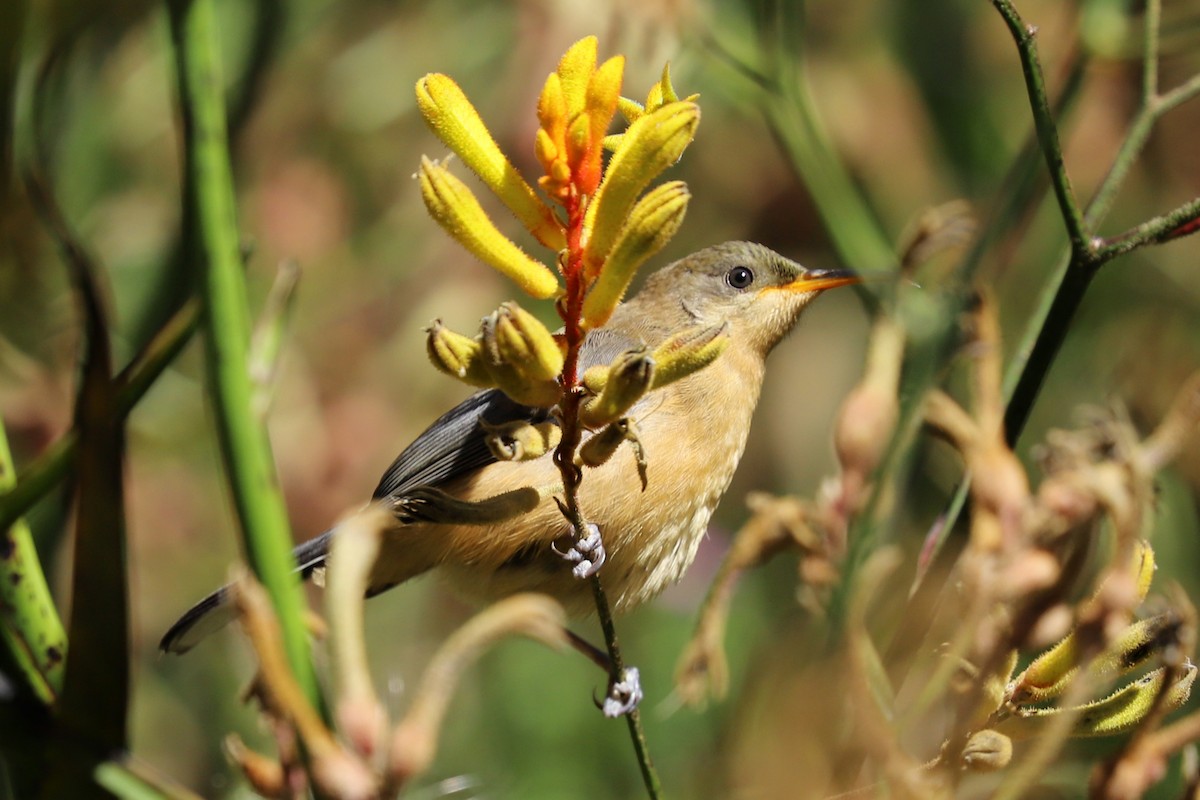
(688, 351)
(600, 448)
(651, 144)
(651, 224)
(523, 341)
(520, 440)
(457, 355)
(629, 377)
(1116, 713)
(522, 388)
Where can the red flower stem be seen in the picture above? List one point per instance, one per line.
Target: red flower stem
(571, 311)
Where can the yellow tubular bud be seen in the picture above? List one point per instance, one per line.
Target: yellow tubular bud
(456, 355)
(522, 388)
(630, 109)
(688, 351)
(1125, 708)
(629, 377)
(651, 224)
(545, 149)
(1050, 673)
(454, 207)
(649, 146)
(520, 440)
(654, 98)
(1116, 713)
(575, 71)
(1143, 567)
(665, 87)
(456, 122)
(603, 93)
(597, 450)
(595, 377)
(578, 138)
(552, 107)
(523, 341)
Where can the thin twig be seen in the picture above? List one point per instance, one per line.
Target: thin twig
(1047, 130)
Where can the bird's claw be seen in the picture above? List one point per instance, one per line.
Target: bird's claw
(586, 553)
(624, 695)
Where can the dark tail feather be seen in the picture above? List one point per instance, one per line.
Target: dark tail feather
(216, 611)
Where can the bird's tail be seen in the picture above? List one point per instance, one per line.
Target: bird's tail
(216, 611)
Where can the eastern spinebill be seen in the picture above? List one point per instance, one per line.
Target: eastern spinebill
(692, 432)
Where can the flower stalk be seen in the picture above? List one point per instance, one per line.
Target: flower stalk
(601, 224)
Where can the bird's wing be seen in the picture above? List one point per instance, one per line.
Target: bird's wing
(455, 444)
(452, 446)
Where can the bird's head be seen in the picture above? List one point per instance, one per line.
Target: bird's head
(757, 291)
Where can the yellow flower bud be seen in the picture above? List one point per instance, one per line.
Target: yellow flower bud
(629, 377)
(545, 149)
(1143, 567)
(1050, 673)
(688, 351)
(630, 109)
(595, 377)
(603, 93)
(1116, 713)
(649, 146)
(455, 208)
(520, 440)
(651, 224)
(578, 139)
(523, 341)
(575, 70)
(457, 355)
(456, 122)
(597, 450)
(522, 388)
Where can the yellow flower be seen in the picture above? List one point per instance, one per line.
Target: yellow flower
(455, 208)
(576, 107)
(456, 122)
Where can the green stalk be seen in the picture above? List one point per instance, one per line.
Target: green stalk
(29, 622)
(244, 444)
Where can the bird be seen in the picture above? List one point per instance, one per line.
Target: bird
(692, 433)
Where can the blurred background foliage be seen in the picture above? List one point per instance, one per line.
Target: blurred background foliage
(925, 103)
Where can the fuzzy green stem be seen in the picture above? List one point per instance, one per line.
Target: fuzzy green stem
(244, 443)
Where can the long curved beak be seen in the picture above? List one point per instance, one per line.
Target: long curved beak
(816, 280)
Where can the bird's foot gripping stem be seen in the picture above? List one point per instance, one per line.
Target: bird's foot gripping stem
(624, 692)
(623, 695)
(586, 553)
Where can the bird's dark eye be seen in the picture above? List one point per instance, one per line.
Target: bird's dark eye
(739, 277)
